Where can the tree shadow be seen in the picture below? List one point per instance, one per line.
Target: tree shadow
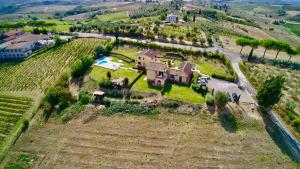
(277, 136)
(284, 64)
(228, 121)
(167, 88)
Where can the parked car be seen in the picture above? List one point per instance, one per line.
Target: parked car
(229, 97)
(235, 97)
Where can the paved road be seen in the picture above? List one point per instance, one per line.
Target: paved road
(222, 85)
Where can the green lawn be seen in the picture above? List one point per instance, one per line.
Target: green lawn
(143, 86)
(173, 91)
(210, 66)
(98, 73)
(183, 93)
(130, 52)
(295, 28)
(113, 17)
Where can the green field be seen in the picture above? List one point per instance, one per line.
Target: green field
(42, 70)
(12, 111)
(295, 28)
(113, 17)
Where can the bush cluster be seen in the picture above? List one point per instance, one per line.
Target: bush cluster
(125, 108)
(80, 66)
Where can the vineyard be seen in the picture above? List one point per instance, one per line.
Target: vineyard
(12, 109)
(42, 70)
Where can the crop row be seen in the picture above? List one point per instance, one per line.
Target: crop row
(15, 97)
(12, 109)
(16, 106)
(42, 70)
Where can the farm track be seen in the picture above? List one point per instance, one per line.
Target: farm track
(138, 142)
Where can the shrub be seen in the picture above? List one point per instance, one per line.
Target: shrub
(124, 108)
(105, 83)
(25, 125)
(81, 66)
(63, 103)
(170, 104)
(85, 97)
(290, 105)
(296, 123)
(114, 93)
(209, 100)
(221, 99)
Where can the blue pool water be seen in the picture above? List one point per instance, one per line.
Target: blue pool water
(101, 61)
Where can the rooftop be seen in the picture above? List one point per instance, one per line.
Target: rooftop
(186, 67)
(29, 38)
(16, 45)
(157, 65)
(149, 52)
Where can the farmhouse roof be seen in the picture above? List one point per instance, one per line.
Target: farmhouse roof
(150, 53)
(157, 65)
(30, 38)
(186, 67)
(16, 45)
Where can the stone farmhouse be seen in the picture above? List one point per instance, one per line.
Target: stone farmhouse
(21, 44)
(159, 72)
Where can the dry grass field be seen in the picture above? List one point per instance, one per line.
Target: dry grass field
(248, 30)
(166, 141)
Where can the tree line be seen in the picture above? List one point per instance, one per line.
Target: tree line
(268, 44)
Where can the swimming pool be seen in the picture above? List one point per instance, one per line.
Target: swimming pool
(107, 63)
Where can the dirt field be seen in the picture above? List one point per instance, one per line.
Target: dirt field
(229, 43)
(168, 141)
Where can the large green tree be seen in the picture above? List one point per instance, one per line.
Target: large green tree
(291, 52)
(253, 43)
(267, 44)
(280, 46)
(242, 42)
(270, 91)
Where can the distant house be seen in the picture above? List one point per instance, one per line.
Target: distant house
(172, 18)
(159, 72)
(22, 46)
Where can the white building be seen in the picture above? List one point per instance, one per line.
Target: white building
(22, 46)
(172, 18)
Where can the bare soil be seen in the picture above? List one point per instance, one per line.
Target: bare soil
(168, 141)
